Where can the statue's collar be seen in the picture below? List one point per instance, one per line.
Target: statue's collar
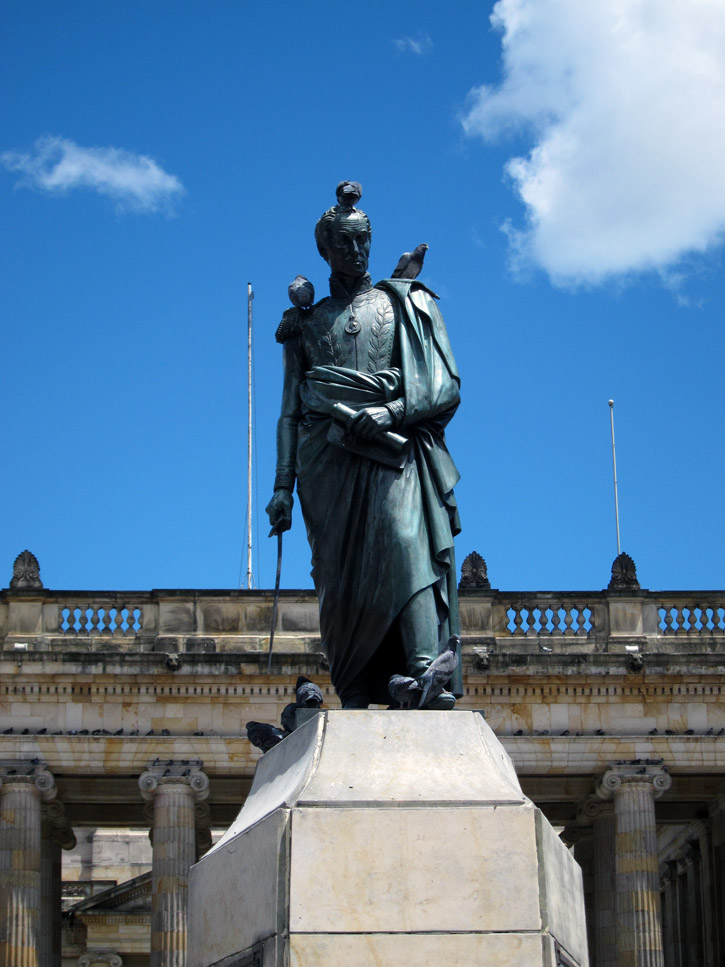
(343, 287)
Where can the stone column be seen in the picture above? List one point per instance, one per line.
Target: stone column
(602, 911)
(173, 788)
(23, 786)
(56, 835)
(633, 786)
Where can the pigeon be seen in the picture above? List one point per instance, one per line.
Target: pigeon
(8, 731)
(434, 679)
(348, 193)
(405, 691)
(289, 717)
(308, 694)
(264, 736)
(42, 731)
(410, 263)
(301, 292)
(653, 731)
(519, 732)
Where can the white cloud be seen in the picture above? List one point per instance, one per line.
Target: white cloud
(625, 100)
(133, 181)
(420, 45)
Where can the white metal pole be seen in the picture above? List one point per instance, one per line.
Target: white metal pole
(614, 465)
(250, 296)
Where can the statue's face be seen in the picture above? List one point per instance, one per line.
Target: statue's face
(348, 245)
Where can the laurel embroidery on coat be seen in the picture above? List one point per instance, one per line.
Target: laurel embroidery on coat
(329, 344)
(378, 350)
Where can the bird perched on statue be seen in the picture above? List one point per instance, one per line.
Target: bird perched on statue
(434, 679)
(301, 292)
(289, 717)
(405, 691)
(264, 736)
(307, 693)
(348, 193)
(410, 263)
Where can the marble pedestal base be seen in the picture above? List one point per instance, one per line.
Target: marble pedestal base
(381, 837)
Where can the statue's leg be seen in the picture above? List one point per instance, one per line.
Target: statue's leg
(418, 624)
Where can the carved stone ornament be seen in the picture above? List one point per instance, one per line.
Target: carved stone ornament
(100, 958)
(26, 571)
(626, 772)
(624, 574)
(474, 573)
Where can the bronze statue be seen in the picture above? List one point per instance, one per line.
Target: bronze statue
(370, 384)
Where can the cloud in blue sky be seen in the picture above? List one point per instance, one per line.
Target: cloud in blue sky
(421, 44)
(625, 103)
(135, 182)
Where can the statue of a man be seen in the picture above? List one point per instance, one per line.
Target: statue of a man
(374, 478)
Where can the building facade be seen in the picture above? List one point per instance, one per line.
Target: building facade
(123, 750)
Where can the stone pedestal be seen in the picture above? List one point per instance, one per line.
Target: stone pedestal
(381, 837)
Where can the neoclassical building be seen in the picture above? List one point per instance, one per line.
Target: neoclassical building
(124, 750)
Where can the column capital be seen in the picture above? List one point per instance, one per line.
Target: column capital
(100, 959)
(177, 772)
(591, 808)
(628, 772)
(61, 831)
(30, 772)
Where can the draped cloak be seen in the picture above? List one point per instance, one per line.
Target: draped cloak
(378, 534)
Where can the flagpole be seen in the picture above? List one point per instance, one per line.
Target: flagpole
(250, 297)
(614, 465)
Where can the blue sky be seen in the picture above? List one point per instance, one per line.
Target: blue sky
(562, 160)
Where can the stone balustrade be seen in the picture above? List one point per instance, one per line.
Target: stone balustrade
(179, 621)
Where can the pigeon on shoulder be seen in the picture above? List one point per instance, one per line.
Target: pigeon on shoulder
(410, 263)
(301, 292)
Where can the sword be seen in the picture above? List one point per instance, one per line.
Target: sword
(275, 606)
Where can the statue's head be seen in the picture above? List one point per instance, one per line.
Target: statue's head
(343, 236)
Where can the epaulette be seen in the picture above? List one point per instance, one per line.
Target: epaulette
(409, 283)
(291, 325)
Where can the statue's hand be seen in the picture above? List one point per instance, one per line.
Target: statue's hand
(279, 510)
(369, 421)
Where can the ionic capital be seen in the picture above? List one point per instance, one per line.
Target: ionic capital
(31, 772)
(57, 825)
(593, 807)
(624, 774)
(100, 959)
(174, 772)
